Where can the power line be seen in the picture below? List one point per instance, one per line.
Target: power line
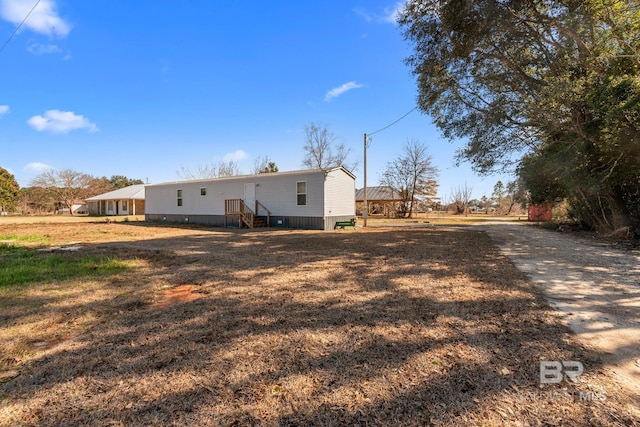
(365, 212)
(391, 124)
(18, 27)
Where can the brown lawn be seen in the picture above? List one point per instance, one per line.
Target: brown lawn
(384, 326)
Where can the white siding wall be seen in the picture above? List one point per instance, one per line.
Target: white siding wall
(276, 191)
(340, 194)
(279, 194)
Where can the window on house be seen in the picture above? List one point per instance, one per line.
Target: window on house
(203, 191)
(110, 205)
(125, 205)
(301, 189)
(179, 197)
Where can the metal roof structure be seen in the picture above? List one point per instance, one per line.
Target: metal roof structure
(378, 194)
(132, 192)
(234, 177)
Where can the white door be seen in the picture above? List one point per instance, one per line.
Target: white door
(250, 196)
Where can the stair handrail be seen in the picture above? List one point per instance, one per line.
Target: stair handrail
(258, 204)
(247, 214)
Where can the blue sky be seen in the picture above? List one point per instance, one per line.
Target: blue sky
(144, 88)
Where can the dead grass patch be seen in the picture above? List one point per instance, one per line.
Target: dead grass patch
(373, 327)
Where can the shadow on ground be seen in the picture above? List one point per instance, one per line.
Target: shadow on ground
(386, 327)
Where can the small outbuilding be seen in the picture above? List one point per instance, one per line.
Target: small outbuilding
(124, 201)
(380, 200)
(311, 199)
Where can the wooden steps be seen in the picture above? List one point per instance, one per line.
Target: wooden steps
(243, 215)
(259, 222)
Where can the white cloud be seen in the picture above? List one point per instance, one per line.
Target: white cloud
(335, 92)
(389, 14)
(43, 20)
(236, 156)
(363, 14)
(37, 167)
(57, 121)
(42, 49)
(4, 109)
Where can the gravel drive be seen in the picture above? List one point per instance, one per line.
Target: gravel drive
(594, 286)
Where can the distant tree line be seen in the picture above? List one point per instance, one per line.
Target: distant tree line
(55, 190)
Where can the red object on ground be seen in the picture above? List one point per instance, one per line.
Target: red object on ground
(540, 212)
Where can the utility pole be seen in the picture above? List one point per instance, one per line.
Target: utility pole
(365, 213)
(365, 207)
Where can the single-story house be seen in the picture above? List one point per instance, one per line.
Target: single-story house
(124, 201)
(380, 200)
(310, 199)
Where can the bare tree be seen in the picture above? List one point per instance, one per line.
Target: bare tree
(66, 186)
(228, 168)
(341, 158)
(36, 200)
(322, 151)
(515, 193)
(411, 175)
(498, 194)
(461, 196)
(215, 170)
(99, 186)
(263, 164)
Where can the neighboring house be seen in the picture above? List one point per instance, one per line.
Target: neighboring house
(381, 200)
(124, 201)
(311, 199)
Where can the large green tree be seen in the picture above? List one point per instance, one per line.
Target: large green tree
(558, 81)
(121, 181)
(9, 191)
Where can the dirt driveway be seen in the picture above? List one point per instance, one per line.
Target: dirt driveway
(594, 286)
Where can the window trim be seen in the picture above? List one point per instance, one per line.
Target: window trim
(179, 196)
(203, 191)
(298, 193)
